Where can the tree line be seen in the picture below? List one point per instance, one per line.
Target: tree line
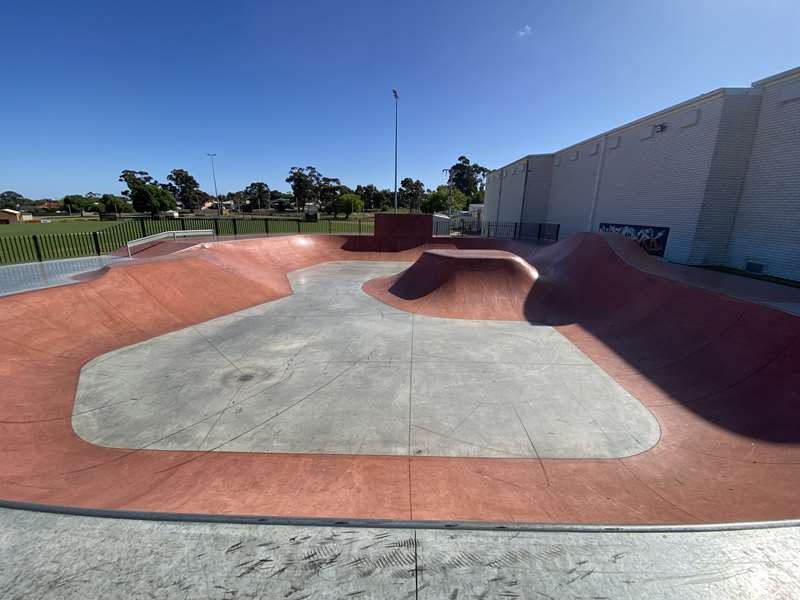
(466, 182)
(143, 193)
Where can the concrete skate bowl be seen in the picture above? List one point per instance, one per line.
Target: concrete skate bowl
(718, 374)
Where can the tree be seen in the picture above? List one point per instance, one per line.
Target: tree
(411, 193)
(373, 198)
(115, 204)
(95, 206)
(328, 192)
(184, 188)
(436, 201)
(151, 198)
(145, 193)
(134, 178)
(469, 178)
(348, 204)
(75, 203)
(305, 184)
(386, 198)
(258, 194)
(11, 199)
(439, 200)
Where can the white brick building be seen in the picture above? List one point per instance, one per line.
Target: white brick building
(721, 171)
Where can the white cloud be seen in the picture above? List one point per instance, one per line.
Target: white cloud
(524, 32)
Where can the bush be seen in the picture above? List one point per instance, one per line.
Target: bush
(348, 204)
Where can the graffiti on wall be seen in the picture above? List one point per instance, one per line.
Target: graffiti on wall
(652, 239)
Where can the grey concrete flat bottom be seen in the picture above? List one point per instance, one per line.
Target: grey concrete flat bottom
(332, 370)
(47, 556)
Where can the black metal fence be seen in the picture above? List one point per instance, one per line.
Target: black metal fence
(255, 226)
(473, 226)
(52, 246)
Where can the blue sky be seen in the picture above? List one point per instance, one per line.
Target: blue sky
(91, 88)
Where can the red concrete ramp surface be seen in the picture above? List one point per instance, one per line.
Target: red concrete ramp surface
(720, 375)
(472, 284)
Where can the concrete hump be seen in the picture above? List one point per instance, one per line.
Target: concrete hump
(475, 284)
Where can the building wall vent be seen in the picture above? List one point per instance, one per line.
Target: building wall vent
(790, 91)
(690, 117)
(752, 266)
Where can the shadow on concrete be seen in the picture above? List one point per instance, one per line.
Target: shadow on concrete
(734, 363)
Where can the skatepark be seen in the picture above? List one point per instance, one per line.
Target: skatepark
(406, 380)
(402, 378)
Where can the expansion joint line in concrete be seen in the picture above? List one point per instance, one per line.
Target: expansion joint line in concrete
(416, 568)
(203, 453)
(220, 352)
(533, 446)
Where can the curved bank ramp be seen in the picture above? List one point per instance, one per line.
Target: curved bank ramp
(719, 376)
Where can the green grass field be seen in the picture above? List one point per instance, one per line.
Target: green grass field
(64, 226)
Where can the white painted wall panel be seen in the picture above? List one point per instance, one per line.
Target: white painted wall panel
(571, 190)
(511, 193)
(491, 196)
(537, 193)
(725, 179)
(660, 180)
(767, 226)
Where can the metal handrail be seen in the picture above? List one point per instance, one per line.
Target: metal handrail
(165, 235)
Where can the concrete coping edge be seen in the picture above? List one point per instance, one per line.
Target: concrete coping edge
(394, 523)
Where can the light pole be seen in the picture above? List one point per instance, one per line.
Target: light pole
(449, 191)
(396, 98)
(214, 176)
